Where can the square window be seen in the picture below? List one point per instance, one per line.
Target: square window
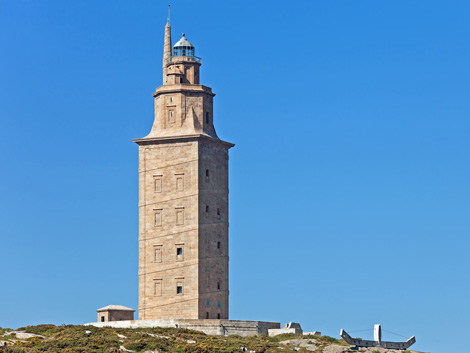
(179, 252)
(157, 288)
(158, 253)
(157, 182)
(179, 182)
(158, 217)
(180, 216)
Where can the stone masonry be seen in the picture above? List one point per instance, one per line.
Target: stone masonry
(115, 313)
(183, 198)
(209, 327)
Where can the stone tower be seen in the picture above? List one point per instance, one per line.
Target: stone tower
(183, 198)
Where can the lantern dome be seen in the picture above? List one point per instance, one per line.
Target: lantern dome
(183, 47)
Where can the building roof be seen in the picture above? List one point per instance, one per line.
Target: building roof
(183, 42)
(115, 307)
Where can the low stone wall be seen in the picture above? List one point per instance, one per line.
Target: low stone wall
(291, 327)
(313, 333)
(209, 327)
(281, 331)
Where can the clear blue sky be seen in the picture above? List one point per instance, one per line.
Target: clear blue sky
(349, 182)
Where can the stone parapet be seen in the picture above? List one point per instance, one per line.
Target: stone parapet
(291, 327)
(209, 327)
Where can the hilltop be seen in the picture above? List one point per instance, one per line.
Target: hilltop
(89, 339)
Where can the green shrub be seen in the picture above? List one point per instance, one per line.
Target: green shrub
(135, 346)
(44, 330)
(13, 349)
(74, 339)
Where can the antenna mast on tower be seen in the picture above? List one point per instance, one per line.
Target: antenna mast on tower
(168, 20)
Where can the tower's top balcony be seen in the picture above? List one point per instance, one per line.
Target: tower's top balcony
(183, 50)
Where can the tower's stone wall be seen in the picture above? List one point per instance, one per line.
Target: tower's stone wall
(168, 221)
(183, 201)
(213, 230)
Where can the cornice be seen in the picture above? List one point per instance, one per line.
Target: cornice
(184, 138)
(164, 89)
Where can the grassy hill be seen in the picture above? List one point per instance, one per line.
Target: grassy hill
(90, 339)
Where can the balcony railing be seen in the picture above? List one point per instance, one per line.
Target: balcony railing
(187, 58)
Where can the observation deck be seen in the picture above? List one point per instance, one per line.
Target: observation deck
(179, 58)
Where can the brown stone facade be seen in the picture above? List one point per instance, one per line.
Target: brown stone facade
(183, 201)
(115, 313)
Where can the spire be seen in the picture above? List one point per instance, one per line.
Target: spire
(166, 46)
(167, 42)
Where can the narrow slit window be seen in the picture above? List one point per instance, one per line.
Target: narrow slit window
(218, 245)
(218, 212)
(218, 288)
(218, 316)
(207, 117)
(207, 209)
(179, 289)
(207, 314)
